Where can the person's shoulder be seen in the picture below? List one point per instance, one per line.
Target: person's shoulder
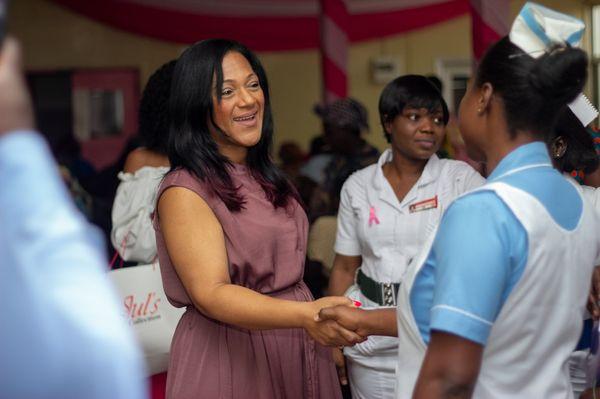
(141, 157)
(360, 178)
(182, 177)
(483, 205)
(461, 174)
(457, 167)
(480, 198)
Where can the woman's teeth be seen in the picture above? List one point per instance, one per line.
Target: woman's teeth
(244, 118)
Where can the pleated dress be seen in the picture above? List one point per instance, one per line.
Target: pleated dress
(266, 250)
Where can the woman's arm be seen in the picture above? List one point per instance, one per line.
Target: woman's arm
(196, 246)
(342, 273)
(450, 368)
(347, 241)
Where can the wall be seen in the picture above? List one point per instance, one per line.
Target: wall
(55, 38)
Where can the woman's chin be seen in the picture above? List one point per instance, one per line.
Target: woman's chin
(251, 142)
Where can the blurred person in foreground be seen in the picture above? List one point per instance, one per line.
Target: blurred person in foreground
(61, 332)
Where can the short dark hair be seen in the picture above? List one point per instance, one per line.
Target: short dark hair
(533, 90)
(581, 153)
(415, 91)
(153, 118)
(437, 82)
(191, 145)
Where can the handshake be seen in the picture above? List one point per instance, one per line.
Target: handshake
(336, 322)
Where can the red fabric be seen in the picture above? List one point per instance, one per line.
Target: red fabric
(158, 386)
(336, 11)
(270, 33)
(483, 35)
(335, 83)
(335, 78)
(258, 33)
(372, 26)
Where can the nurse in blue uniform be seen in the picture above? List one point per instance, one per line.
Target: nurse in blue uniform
(495, 309)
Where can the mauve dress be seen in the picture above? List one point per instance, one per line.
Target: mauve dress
(266, 251)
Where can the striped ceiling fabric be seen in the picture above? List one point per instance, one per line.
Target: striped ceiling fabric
(263, 25)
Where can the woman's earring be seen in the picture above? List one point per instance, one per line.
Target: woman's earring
(559, 147)
(479, 111)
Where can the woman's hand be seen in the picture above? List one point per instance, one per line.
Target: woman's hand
(340, 365)
(329, 332)
(15, 102)
(348, 317)
(363, 322)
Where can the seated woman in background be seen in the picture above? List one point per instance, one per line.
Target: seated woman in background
(132, 233)
(387, 211)
(231, 239)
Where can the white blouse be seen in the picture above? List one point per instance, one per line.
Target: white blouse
(132, 233)
(387, 233)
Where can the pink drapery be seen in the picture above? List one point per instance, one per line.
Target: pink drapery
(263, 25)
(489, 23)
(275, 25)
(334, 49)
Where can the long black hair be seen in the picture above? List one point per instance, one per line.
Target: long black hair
(533, 90)
(191, 109)
(413, 91)
(153, 119)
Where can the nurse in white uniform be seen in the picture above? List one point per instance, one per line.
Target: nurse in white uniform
(495, 307)
(386, 212)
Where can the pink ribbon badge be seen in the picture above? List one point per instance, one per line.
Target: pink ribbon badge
(372, 216)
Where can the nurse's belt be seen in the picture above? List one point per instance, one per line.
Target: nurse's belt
(538, 28)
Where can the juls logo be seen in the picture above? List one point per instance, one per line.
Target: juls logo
(142, 311)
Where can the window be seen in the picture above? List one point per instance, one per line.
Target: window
(97, 113)
(454, 74)
(93, 108)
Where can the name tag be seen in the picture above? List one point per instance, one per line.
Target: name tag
(424, 205)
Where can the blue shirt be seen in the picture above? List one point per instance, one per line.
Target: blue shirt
(480, 250)
(60, 329)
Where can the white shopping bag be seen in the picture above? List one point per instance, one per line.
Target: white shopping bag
(147, 310)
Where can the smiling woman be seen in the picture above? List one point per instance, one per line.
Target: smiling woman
(231, 238)
(238, 113)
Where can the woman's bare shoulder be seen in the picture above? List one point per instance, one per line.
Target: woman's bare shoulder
(141, 157)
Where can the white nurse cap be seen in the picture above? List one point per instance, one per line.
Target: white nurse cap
(536, 29)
